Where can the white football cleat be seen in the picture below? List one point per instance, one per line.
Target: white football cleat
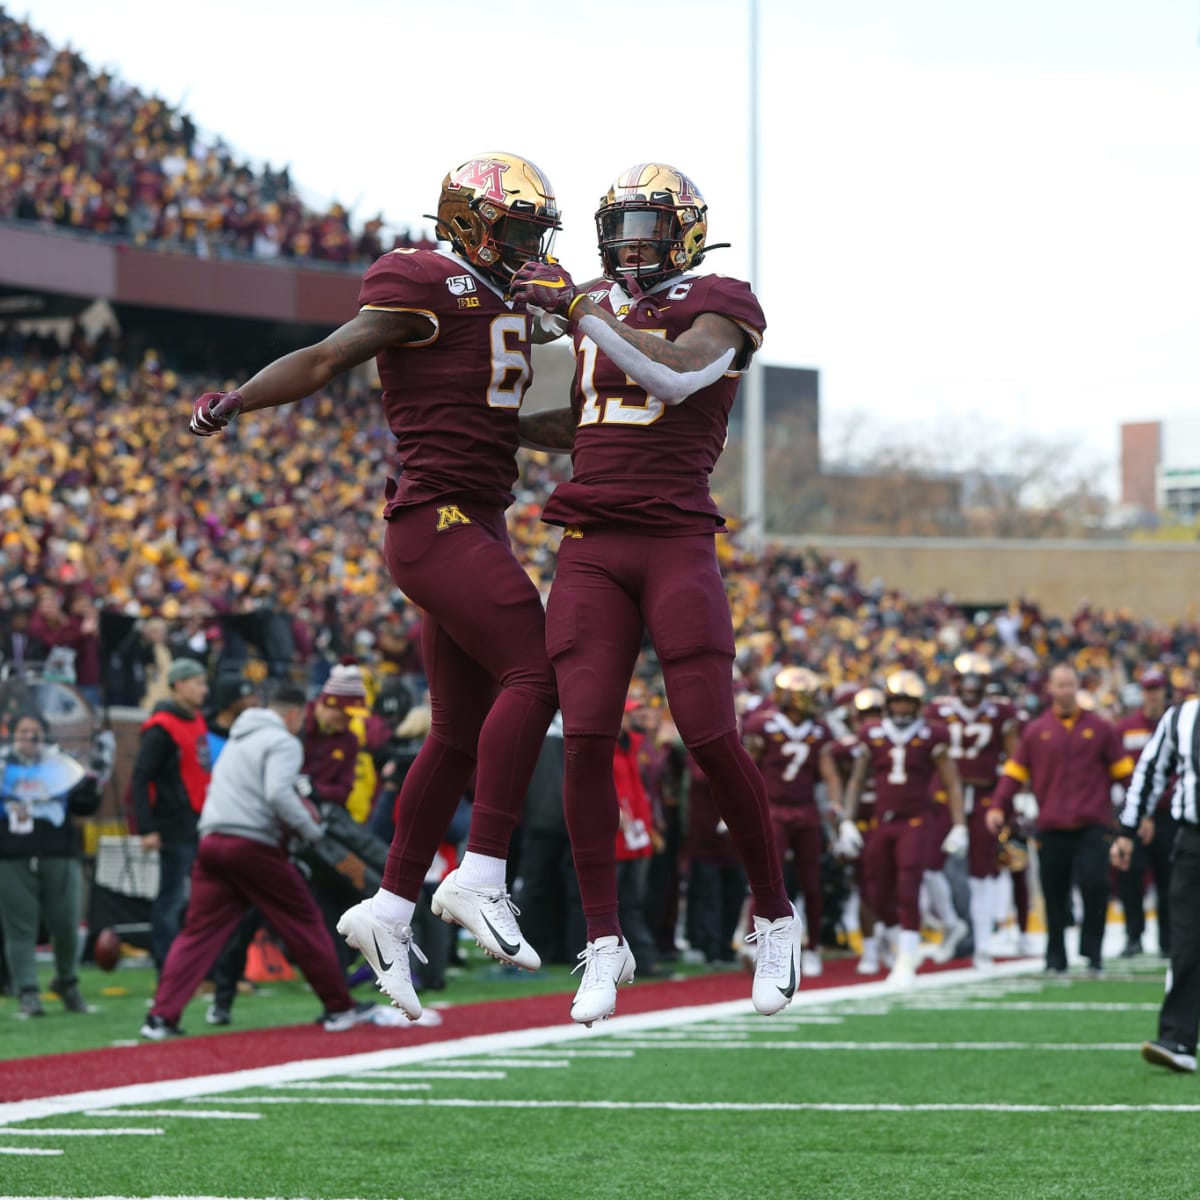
(386, 949)
(490, 916)
(904, 970)
(777, 964)
(607, 962)
(810, 964)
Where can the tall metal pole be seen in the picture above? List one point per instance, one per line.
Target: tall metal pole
(753, 495)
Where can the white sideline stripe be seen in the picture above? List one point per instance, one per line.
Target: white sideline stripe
(1074, 1046)
(83, 1132)
(544, 1064)
(528, 1054)
(350, 1085)
(723, 1106)
(208, 1114)
(784, 1018)
(433, 1075)
(141, 1198)
(28, 1152)
(761, 1045)
(196, 1087)
(1043, 1006)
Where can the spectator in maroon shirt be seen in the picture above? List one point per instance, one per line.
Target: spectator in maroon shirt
(330, 746)
(1068, 758)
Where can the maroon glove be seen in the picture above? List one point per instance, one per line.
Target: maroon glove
(543, 285)
(213, 411)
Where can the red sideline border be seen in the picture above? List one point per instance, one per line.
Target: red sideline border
(151, 1062)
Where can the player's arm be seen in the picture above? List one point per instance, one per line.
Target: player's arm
(552, 430)
(669, 371)
(307, 370)
(948, 773)
(854, 788)
(832, 778)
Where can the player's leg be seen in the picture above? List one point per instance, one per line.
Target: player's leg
(910, 846)
(492, 697)
(687, 614)
(593, 634)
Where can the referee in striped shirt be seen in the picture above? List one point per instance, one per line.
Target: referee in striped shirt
(1174, 750)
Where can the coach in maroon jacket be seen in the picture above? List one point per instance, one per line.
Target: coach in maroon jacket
(1068, 758)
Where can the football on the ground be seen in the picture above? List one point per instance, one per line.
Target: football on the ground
(107, 950)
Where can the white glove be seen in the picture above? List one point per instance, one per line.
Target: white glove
(850, 840)
(956, 841)
(303, 786)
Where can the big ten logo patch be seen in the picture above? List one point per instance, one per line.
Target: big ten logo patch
(449, 515)
(468, 302)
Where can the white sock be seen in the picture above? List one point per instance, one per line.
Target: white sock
(391, 909)
(982, 910)
(480, 871)
(941, 902)
(909, 942)
(850, 912)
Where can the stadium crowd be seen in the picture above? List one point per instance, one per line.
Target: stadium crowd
(81, 149)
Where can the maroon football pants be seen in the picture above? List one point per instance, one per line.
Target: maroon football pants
(611, 586)
(800, 832)
(894, 860)
(231, 875)
(491, 687)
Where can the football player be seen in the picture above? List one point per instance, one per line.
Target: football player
(794, 752)
(658, 351)
(1156, 834)
(453, 353)
(983, 732)
(903, 753)
(864, 706)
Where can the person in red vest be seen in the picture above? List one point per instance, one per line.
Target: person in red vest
(170, 781)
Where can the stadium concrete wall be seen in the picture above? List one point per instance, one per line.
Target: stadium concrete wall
(1152, 581)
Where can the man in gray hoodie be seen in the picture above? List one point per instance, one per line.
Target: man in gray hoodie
(251, 812)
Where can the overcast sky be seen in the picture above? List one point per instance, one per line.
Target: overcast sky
(968, 207)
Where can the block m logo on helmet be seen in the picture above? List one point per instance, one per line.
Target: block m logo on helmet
(484, 176)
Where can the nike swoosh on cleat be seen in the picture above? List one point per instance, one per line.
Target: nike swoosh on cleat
(790, 990)
(509, 948)
(387, 966)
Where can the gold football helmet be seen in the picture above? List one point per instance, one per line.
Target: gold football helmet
(903, 696)
(868, 700)
(657, 212)
(796, 690)
(971, 671)
(498, 211)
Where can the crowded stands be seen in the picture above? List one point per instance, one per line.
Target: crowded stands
(85, 151)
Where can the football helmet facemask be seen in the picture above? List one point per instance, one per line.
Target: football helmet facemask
(796, 690)
(498, 212)
(903, 696)
(657, 212)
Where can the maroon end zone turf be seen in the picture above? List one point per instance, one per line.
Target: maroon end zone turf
(118, 1066)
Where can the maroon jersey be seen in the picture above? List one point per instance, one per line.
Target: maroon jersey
(976, 737)
(637, 461)
(790, 757)
(1136, 729)
(453, 400)
(1069, 765)
(903, 764)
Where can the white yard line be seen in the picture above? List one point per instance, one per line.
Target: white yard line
(196, 1114)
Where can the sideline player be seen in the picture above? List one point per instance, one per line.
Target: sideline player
(903, 752)
(454, 361)
(793, 749)
(983, 732)
(658, 350)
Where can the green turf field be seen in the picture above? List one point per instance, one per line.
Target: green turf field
(1011, 1087)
